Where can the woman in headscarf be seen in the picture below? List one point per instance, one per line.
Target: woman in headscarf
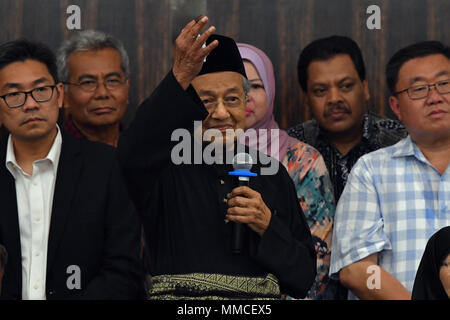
(433, 276)
(304, 164)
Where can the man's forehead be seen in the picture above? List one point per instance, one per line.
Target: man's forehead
(94, 53)
(424, 68)
(338, 66)
(95, 61)
(24, 73)
(216, 80)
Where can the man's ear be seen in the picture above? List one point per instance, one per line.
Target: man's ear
(128, 91)
(60, 91)
(306, 100)
(395, 106)
(366, 90)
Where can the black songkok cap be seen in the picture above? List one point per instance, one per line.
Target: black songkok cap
(225, 57)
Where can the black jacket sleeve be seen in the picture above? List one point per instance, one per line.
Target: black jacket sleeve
(145, 147)
(120, 273)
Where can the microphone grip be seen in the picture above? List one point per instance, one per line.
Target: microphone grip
(237, 236)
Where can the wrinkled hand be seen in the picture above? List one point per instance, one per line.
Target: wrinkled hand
(247, 206)
(189, 54)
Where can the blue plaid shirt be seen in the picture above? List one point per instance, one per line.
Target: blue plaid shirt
(393, 202)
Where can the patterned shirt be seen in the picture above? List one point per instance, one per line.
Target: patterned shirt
(70, 127)
(393, 202)
(378, 132)
(307, 169)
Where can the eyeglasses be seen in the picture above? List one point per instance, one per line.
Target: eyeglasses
(422, 91)
(229, 102)
(18, 98)
(92, 85)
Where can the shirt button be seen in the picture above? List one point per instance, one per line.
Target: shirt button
(37, 219)
(37, 254)
(36, 287)
(34, 183)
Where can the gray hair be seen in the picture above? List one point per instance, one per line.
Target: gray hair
(88, 40)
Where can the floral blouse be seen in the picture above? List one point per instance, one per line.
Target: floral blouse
(307, 169)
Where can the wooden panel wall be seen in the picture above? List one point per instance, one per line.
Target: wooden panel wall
(281, 28)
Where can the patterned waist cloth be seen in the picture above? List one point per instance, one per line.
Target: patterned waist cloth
(210, 286)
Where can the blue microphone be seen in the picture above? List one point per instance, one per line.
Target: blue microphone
(242, 163)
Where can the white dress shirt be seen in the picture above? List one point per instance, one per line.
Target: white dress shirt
(34, 204)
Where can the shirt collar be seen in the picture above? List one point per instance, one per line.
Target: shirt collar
(53, 155)
(407, 147)
(367, 126)
(70, 126)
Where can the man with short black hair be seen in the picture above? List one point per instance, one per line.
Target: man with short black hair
(332, 76)
(66, 219)
(397, 197)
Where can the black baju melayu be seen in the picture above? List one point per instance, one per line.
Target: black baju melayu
(188, 238)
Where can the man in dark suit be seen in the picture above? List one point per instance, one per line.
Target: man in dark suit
(66, 220)
(3, 257)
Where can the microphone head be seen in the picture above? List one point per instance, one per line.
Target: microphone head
(242, 161)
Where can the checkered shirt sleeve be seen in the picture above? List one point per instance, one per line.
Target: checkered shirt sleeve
(359, 224)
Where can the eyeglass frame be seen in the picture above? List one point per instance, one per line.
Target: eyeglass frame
(226, 104)
(30, 92)
(435, 85)
(79, 84)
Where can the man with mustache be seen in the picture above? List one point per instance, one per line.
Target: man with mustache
(191, 208)
(66, 220)
(397, 197)
(94, 67)
(332, 77)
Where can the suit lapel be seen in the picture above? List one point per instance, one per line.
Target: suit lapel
(9, 226)
(69, 171)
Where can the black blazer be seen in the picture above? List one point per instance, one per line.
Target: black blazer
(93, 226)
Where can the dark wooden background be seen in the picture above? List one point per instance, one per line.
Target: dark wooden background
(281, 28)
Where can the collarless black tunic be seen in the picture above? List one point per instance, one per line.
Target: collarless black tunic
(184, 206)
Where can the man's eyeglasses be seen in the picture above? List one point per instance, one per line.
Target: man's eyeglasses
(18, 98)
(92, 85)
(422, 91)
(230, 102)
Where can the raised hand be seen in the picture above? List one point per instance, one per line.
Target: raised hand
(189, 51)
